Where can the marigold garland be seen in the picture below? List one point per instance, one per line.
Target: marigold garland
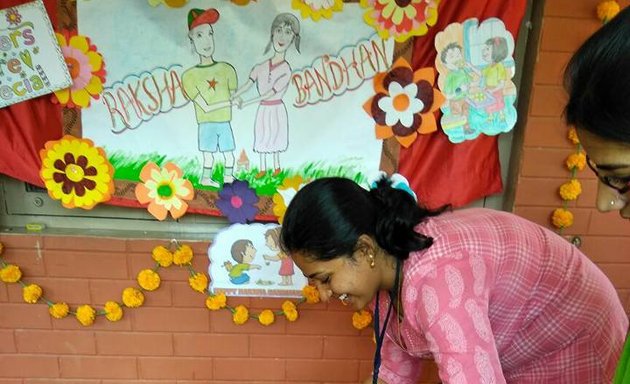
(149, 280)
(606, 10)
(562, 218)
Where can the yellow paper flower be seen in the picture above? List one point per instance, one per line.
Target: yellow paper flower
(311, 294)
(316, 9)
(361, 319)
(113, 311)
(606, 10)
(400, 19)
(149, 280)
(164, 190)
(31, 293)
(290, 186)
(240, 315)
(132, 298)
(216, 302)
(266, 317)
(290, 310)
(168, 3)
(10, 274)
(573, 137)
(570, 190)
(85, 315)
(59, 310)
(162, 256)
(562, 218)
(198, 282)
(577, 161)
(86, 68)
(183, 255)
(76, 172)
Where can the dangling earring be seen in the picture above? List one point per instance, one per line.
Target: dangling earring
(372, 262)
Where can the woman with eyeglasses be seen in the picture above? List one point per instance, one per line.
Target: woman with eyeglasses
(597, 79)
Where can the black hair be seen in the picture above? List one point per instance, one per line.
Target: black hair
(597, 80)
(499, 48)
(448, 48)
(326, 217)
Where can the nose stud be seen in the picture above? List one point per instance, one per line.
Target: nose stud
(343, 297)
(612, 203)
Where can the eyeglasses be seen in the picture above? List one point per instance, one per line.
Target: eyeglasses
(619, 184)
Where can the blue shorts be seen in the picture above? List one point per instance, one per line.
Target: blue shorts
(216, 135)
(242, 279)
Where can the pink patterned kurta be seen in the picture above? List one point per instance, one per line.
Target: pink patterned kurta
(498, 299)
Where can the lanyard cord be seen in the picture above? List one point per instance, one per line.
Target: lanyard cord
(379, 335)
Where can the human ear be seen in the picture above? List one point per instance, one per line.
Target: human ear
(366, 248)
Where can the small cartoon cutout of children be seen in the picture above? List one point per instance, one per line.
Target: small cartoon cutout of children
(243, 252)
(457, 83)
(272, 240)
(494, 51)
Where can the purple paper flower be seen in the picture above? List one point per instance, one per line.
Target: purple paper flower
(237, 201)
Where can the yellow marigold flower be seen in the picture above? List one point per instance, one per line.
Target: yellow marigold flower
(361, 319)
(183, 255)
(113, 311)
(606, 10)
(576, 160)
(1, 248)
(216, 302)
(198, 282)
(311, 294)
(32, 293)
(562, 218)
(290, 310)
(10, 274)
(85, 315)
(162, 256)
(240, 315)
(573, 137)
(149, 280)
(570, 190)
(132, 298)
(59, 310)
(266, 317)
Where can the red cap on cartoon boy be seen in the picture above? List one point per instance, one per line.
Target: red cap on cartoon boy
(197, 17)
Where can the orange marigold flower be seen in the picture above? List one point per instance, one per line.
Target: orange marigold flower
(570, 190)
(311, 294)
(361, 319)
(266, 317)
(562, 218)
(577, 161)
(240, 315)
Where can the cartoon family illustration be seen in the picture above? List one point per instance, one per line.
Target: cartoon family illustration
(214, 89)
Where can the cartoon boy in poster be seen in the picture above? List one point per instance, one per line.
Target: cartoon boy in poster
(243, 252)
(286, 272)
(457, 81)
(209, 85)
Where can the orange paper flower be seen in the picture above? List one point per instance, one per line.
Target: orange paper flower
(164, 189)
(404, 103)
(290, 186)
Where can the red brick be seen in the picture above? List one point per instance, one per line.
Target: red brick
(4, 296)
(548, 132)
(429, 372)
(566, 35)
(323, 323)
(13, 241)
(584, 9)
(101, 323)
(7, 342)
(84, 243)
(98, 367)
(365, 369)
(55, 342)
(28, 366)
(286, 346)
(134, 344)
(106, 290)
(618, 274)
(195, 344)
(320, 370)
(348, 347)
(609, 224)
(101, 265)
(25, 316)
(12, 381)
(171, 320)
(61, 381)
(140, 261)
(175, 368)
(148, 382)
(606, 249)
(221, 322)
(545, 162)
(547, 100)
(71, 291)
(184, 296)
(252, 369)
(550, 67)
(29, 260)
(200, 248)
(538, 192)
(542, 216)
(589, 191)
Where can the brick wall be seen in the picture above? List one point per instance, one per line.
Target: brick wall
(605, 237)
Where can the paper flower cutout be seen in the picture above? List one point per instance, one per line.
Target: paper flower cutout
(13, 16)
(290, 186)
(165, 190)
(241, 3)
(168, 3)
(86, 68)
(404, 103)
(400, 19)
(76, 172)
(316, 9)
(237, 201)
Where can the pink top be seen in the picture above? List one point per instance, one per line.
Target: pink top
(499, 299)
(272, 77)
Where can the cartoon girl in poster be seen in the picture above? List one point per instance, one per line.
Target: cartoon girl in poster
(494, 51)
(272, 240)
(272, 77)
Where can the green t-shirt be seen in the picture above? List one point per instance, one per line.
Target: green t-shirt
(454, 82)
(215, 83)
(238, 269)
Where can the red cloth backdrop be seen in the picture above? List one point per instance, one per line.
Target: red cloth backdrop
(440, 172)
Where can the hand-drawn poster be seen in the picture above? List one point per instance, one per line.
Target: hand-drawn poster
(31, 63)
(476, 67)
(227, 92)
(246, 260)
